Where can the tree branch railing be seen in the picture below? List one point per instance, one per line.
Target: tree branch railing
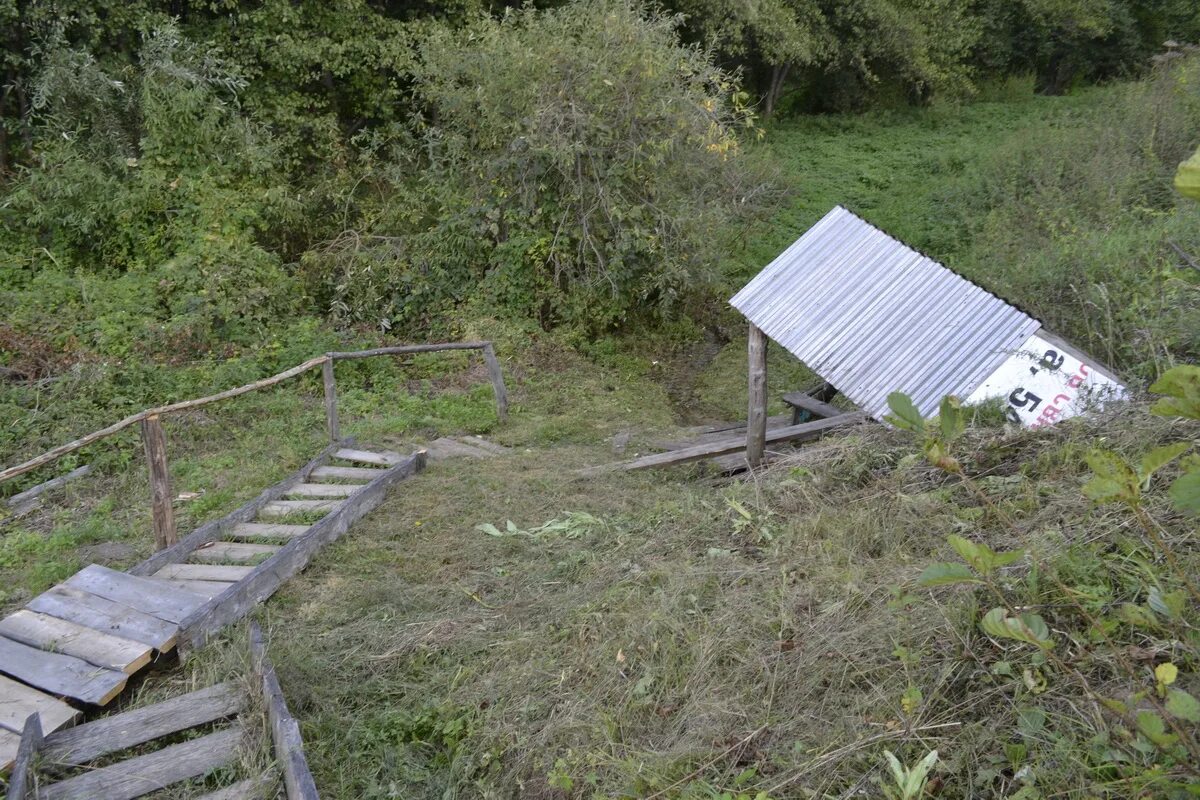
(155, 442)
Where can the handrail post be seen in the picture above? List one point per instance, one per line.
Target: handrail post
(331, 411)
(497, 376)
(756, 421)
(160, 482)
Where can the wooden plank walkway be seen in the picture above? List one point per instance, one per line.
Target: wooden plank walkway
(82, 639)
(76, 764)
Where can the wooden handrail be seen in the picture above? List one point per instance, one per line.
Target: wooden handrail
(70, 447)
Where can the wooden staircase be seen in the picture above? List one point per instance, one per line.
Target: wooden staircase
(83, 639)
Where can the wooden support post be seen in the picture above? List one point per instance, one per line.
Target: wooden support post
(331, 414)
(493, 365)
(160, 482)
(756, 425)
(19, 782)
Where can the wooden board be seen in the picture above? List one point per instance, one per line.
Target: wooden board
(446, 447)
(800, 400)
(807, 431)
(60, 674)
(61, 636)
(220, 552)
(283, 508)
(266, 530)
(203, 572)
(9, 744)
(285, 731)
(250, 789)
(321, 490)
(208, 589)
(147, 595)
(484, 444)
(92, 740)
(18, 701)
(144, 774)
(368, 457)
(22, 769)
(347, 473)
(105, 615)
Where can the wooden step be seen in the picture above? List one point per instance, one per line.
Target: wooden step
(91, 740)
(106, 616)
(60, 674)
(18, 701)
(224, 552)
(283, 508)
(347, 473)
(203, 572)
(266, 530)
(60, 636)
(368, 457)
(209, 589)
(147, 595)
(147, 773)
(321, 490)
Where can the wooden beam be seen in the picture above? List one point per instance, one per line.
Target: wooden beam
(803, 401)
(31, 743)
(406, 349)
(792, 433)
(285, 731)
(160, 483)
(331, 409)
(497, 377)
(756, 369)
(240, 598)
(32, 494)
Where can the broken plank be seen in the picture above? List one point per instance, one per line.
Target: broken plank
(60, 674)
(207, 589)
(368, 457)
(347, 473)
(69, 638)
(219, 552)
(291, 558)
(203, 572)
(141, 775)
(321, 490)
(283, 508)
(92, 740)
(250, 789)
(800, 400)
(18, 701)
(105, 615)
(147, 595)
(807, 431)
(266, 530)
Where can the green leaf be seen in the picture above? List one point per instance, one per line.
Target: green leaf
(1113, 479)
(1028, 628)
(944, 574)
(1154, 728)
(1170, 604)
(974, 554)
(904, 414)
(1185, 491)
(1159, 457)
(951, 418)
(1183, 705)
(1006, 558)
(1182, 386)
(489, 529)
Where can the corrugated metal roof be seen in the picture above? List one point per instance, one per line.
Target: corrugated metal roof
(872, 316)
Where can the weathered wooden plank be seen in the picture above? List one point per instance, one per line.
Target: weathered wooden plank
(368, 457)
(331, 409)
(206, 589)
(29, 495)
(18, 701)
(347, 473)
(266, 530)
(69, 638)
(406, 349)
(496, 375)
(60, 674)
(283, 508)
(100, 737)
(147, 595)
(259, 788)
(285, 731)
(483, 444)
(10, 745)
(203, 572)
(22, 765)
(216, 529)
(104, 615)
(445, 447)
(219, 552)
(239, 599)
(756, 421)
(160, 482)
(144, 774)
(807, 431)
(800, 400)
(321, 490)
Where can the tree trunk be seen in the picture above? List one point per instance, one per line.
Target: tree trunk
(779, 73)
